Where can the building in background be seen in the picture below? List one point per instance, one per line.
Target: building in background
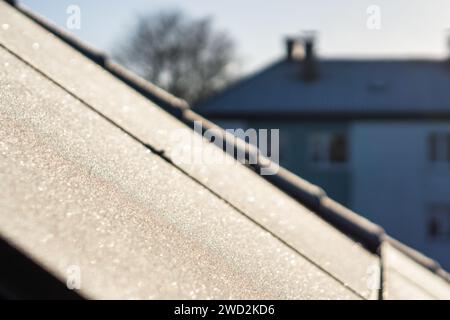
(374, 134)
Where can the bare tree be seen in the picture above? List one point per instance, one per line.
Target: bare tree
(185, 56)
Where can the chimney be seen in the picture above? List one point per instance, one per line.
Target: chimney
(448, 47)
(309, 68)
(290, 48)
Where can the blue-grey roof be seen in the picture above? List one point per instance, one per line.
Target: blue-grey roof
(344, 87)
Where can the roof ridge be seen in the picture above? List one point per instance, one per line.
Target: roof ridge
(353, 225)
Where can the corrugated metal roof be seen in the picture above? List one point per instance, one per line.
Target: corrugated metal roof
(353, 88)
(90, 180)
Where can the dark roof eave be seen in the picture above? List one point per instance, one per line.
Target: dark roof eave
(32, 282)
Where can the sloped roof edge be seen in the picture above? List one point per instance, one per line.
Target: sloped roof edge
(357, 227)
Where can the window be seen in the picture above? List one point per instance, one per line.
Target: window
(439, 147)
(438, 222)
(328, 148)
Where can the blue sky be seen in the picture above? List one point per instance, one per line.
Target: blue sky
(408, 27)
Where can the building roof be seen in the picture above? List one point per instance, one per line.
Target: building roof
(93, 179)
(344, 88)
